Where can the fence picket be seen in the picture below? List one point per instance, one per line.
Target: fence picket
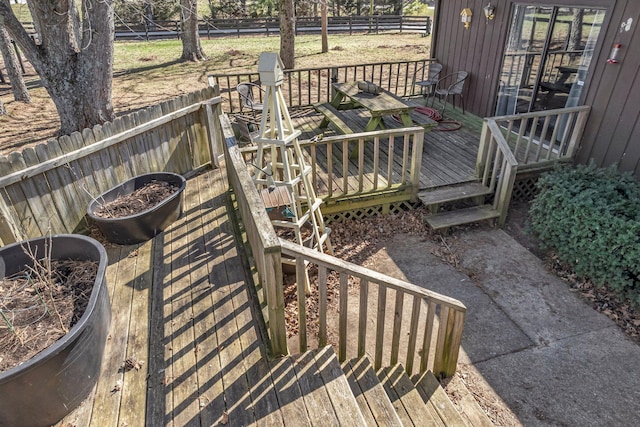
(34, 223)
(44, 194)
(68, 183)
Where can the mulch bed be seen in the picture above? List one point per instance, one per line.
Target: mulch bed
(142, 199)
(39, 306)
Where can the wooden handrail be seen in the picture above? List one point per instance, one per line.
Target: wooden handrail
(262, 238)
(305, 86)
(380, 177)
(447, 329)
(545, 113)
(539, 139)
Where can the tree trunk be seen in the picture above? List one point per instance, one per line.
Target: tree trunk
(287, 33)
(74, 58)
(575, 36)
(191, 49)
(323, 18)
(3, 110)
(397, 7)
(20, 92)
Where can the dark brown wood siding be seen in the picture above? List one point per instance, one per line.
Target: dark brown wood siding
(613, 132)
(613, 90)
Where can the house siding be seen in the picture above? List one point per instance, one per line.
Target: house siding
(612, 134)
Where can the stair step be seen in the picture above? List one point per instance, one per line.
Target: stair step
(467, 405)
(434, 395)
(452, 193)
(315, 386)
(405, 398)
(461, 216)
(370, 395)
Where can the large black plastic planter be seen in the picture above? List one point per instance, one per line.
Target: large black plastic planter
(145, 225)
(51, 384)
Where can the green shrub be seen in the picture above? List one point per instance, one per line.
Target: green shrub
(590, 217)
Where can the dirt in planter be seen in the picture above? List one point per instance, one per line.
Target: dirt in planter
(138, 201)
(39, 306)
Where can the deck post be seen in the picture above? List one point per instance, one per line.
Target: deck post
(416, 163)
(578, 130)
(483, 146)
(503, 197)
(275, 301)
(213, 109)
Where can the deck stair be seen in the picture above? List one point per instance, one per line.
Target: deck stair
(390, 398)
(450, 195)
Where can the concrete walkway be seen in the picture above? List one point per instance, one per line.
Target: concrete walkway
(549, 356)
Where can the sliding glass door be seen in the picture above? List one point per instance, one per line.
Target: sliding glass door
(547, 57)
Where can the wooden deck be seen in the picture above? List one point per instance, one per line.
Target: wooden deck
(448, 157)
(183, 317)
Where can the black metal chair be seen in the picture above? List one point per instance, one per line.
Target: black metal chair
(245, 90)
(427, 86)
(450, 86)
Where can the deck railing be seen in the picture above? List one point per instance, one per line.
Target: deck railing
(436, 339)
(363, 164)
(307, 86)
(436, 335)
(262, 240)
(526, 142)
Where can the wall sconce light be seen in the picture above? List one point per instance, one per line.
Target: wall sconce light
(489, 11)
(465, 17)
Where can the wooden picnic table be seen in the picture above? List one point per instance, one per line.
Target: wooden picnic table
(383, 103)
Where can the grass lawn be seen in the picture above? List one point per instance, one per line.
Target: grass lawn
(149, 72)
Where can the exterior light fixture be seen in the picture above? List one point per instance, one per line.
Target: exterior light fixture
(489, 11)
(465, 17)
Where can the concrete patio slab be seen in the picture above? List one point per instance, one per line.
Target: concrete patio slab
(550, 357)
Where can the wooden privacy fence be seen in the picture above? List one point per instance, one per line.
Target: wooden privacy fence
(524, 143)
(433, 327)
(47, 188)
(304, 87)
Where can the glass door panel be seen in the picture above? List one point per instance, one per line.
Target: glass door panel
(521, 60)
(571, 44)
(547, 57)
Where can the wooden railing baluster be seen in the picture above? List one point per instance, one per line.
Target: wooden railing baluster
(302, 303)
(342, 317)
(362, 321)
(428, 335)
(413, 334)
(382, 308)
(397, 327)
(322, 292)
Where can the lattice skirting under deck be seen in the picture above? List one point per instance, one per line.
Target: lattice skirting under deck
(385, 209)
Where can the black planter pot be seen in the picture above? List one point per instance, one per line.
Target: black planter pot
(145, 225)
(51, 384)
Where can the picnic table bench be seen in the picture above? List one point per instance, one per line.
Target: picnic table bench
(333, 115)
